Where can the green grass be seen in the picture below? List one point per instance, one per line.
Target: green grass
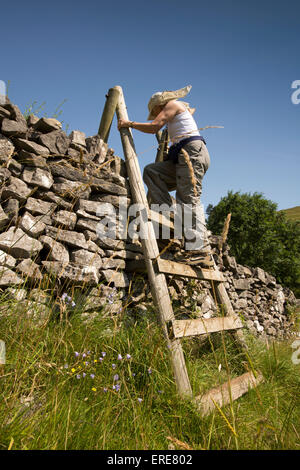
(293, 213)
(65, 412)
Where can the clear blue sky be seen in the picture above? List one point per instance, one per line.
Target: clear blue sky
(241, 58)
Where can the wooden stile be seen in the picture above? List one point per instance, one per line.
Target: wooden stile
(203, 326)
(229, 391)
(184, 270)
(157, 281)
(108, 113)
(157, 268)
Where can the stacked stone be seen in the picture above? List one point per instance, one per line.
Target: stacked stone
(255, 295)
(51, 187)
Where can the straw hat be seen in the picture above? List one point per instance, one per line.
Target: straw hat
(162, 97)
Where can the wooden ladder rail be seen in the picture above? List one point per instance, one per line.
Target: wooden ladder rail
(156, 267)
(159, 288)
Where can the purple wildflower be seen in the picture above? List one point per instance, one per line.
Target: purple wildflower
(78, 376)
(83, 374)
(128, 356)
(76, 353)
(116, 387)
(120, 357)
(83, 355)
(149, 370)
(105, 389)
(92, 376)
(66, 366)
(113, 366)
(140, 400)
(103, 354)
(116, 377)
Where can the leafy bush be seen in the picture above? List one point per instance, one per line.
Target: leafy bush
(259, 235)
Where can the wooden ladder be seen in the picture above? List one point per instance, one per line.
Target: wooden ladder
(157, 268)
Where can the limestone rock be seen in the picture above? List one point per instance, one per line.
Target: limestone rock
(87, 258)
(56, 142)
(52, 197)
(32, 120)
(77, 137)
(8, 277)
(15, 113)
(57, 251)
(31, 147)
(18, 244)
(47, 124)
(7, 260)
(6, 148)
(28, 269)
(4, 219)
(17, 189)
(32, 225)
(38, 176)
(65, 219)
(30, 159)
(4, 113)
(96, 148)
(87, 275)
(37, 206)
(11, 208)
(15, 167)
(71, 189)
(13, 128)
(260, 274)
(113, 263)
(4, 175)
(241, 284)
(118, 279)
(76, 240)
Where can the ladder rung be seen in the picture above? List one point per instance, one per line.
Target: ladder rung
(202, 326)
(180, 269)
(230, 390)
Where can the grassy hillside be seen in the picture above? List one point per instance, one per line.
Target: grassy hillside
(293, 213)
(107, 384)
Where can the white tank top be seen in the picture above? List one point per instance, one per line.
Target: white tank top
(182, 126)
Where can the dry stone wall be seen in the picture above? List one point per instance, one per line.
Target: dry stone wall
(51, 187)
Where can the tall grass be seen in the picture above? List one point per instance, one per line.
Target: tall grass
(48, 403)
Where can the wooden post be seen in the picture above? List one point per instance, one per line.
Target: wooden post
(157, 281)
(162, 138)
(108, 113)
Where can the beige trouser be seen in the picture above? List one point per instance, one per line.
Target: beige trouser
(163, 177)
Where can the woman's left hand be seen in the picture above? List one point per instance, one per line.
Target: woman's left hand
(123, 123)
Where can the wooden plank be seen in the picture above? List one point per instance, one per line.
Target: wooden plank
(202, 326)
(158, 284)
(227, 392)
(162, 138)
(184, 270)
(224, 300)
(109, 110)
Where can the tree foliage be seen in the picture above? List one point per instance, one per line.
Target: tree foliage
(259, 235)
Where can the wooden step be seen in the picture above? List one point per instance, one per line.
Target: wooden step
(184, 270)
(227, 392)
(202, 326)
